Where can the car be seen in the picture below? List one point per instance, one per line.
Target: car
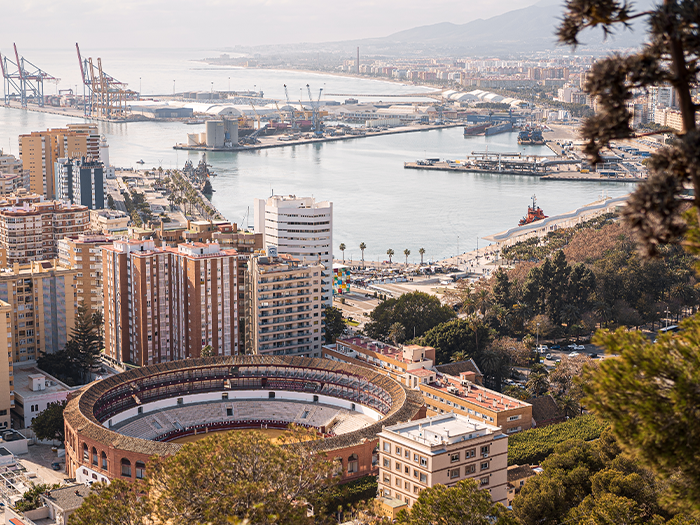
(579, 347)
(593, 356)
(556, 347)
(542, 349)
(574, 354)
(549, 356)
(572, 346)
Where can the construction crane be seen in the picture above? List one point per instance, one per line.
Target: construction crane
(27, 80)
(103, 95)
(315, 116)
(257, 117)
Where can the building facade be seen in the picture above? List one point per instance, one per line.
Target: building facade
(43, 301)
(444, 450)
(166, 304)
(7, 389)
(84, 254)
(284, 308)
(80, 181)
(30, 227)
(108, 222)
(300, 227)
(40, 150)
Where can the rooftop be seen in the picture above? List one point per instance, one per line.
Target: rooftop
(67, 498)
(477, 395)
(443, 429)
(384, 349)
(25, 375)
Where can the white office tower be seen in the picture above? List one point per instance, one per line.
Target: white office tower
(302, 228)
(110, 172)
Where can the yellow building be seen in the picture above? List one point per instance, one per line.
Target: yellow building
(7, 389)
(40, 150)
(42, 300)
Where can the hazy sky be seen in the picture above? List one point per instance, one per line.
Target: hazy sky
(220, 23)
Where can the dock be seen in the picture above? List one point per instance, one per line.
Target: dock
(272, 141)
(463, 168)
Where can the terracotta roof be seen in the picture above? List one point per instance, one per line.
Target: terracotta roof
(454, 369)
(544, 408)
(517, 472)
(79, 412)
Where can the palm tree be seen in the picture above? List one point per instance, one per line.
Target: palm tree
(537, 385)
(459, 355)
(422, 252)
(396, 333)
(407, 252)
(363, 247)
(482, 301)
(390, 253)
(342, 249)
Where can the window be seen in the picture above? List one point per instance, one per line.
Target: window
(485, 465)
(126, 468)
(407, 471)
(224, 395)
(454, 458)
(387, 447)
(397, 482)
(387, 478)
(423, 478)
(407, 454)
(94, 456)
(397, 466)
(140, 469)
(271, 395)
(423, 462)
(415, 473)
(180, 401)
(398, 451)
(484, 481)
(86, 455)
(229, 412)
(485, 451)
(416, 488)
(514, 418)
(103, 456)
(387, 463)
(470, 453)
(140, 410)
(353, 464)
(454, 473)
(415, 458)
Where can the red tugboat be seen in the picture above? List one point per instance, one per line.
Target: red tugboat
(534, 213)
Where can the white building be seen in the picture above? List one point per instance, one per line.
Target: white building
(34, 390)
(300, 227)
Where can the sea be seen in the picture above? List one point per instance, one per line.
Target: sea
(375, 200)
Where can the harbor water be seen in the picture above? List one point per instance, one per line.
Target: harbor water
(375, 200)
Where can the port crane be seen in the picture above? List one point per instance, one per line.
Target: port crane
(292, 120)
(103, 95)
(27, 80)
(315, 109)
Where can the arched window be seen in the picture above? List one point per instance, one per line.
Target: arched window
(94, 456)
(353, 464)
(126, 468)
(140, 470)
(104, 460)
(86, 454)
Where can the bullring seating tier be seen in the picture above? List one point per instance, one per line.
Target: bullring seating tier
(153, 424)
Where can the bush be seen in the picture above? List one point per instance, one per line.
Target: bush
(347, 494)
(534, 445)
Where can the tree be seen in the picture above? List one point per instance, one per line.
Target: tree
(110, 202)
(363, 247)
(335, 325)
(655, 209)
(342, 248)
(85, 344)
(537, 384)
(397, 333)
(418, 312)
(458, 336)
(390, 253)
(116, 503)
(48, 425)
(238, 474)
(422, 253)
(407, 252)
(463, 504)
(649, 394)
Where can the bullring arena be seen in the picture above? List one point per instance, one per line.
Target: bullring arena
(115, 425)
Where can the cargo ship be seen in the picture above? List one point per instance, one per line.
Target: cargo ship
(495, 129)
(534, 213)
(531, 136)
(475, 130)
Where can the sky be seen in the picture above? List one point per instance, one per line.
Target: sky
(34, 24)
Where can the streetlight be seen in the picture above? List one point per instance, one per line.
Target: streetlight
(667, 313)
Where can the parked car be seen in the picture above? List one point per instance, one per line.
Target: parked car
(594, 356)
(556, 347)
(573, 354)
(579, 347)
(542, 349)
(549, 356)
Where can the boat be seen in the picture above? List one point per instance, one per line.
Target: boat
(474, 130)
(140, 162)
(531, 136)
(534, 213)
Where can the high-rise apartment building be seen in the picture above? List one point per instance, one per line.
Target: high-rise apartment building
(444, 450)
(284, 309)
(40, 150)
(165, 304)
(31, 227)
(300, 227)
(84, 254)
(13, 177)
(80, 181)
(7, 389)
(43, 301)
